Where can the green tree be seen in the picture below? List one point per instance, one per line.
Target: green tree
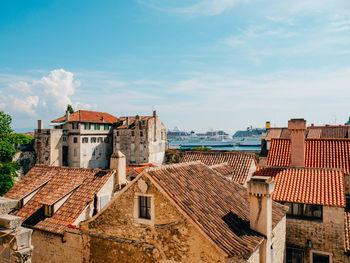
(7, 152)
(70, 109)
(20, 139)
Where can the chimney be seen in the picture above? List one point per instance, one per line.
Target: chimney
(118, 162)
(297, 128)
(127, 122)
(154, 113)
(40, 124)
(260, 189)
(67, 115)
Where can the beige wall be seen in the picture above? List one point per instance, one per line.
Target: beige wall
(326, 236)
(279, 241)
(170, 237)
(52, 248)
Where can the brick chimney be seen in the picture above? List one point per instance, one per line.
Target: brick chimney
(118, 162)
(67, 115)
(260, 189)
(297, 128)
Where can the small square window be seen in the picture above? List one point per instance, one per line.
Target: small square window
(64, 138)
(145, 207)
(75, 139)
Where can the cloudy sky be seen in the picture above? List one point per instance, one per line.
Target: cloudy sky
(221, 64)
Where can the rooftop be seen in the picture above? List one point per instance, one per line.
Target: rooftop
(307, 185)
(48, 184)
(88, 116)
(319, 153)
(218, 206)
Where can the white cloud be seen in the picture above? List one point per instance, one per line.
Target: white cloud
(25, 105)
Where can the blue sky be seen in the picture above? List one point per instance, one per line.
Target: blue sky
(221, 64)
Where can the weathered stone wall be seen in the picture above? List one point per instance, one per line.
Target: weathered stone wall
(42, 146)
(56, 249)
(170, 236)
(326, 236)
(279, 241)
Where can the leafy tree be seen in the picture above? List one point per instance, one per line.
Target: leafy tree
(7, 151)
(20, 139)
(70, 109)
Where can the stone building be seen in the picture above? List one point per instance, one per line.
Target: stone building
(142, 139)
(312, 178)
(52, 201)
(86, 139)
(188, 212)
(237, 166)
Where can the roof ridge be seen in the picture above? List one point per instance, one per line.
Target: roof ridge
(302, 168)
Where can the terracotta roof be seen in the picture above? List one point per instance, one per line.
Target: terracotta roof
(83, 183)
(220, 207)
(307, 185)
(223, 168)
(241, 163)
(319, 153)
(323, 132)
(347, 232)
(133, 170)
(89, 116)
(123, 125)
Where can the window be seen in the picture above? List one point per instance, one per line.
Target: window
(99, 139)
(117, 133)
(321, 257)
(97, 126)
(75, 139)
(132, 133)
(75, 125)
(106, 127)
(19, 204)
(85, 140)
(145, 207)
(106, 140)
(141, 134)
(93, 139)
(295, 255)
(87, 126)
(64, 138)
(48, 210)
(304, 211)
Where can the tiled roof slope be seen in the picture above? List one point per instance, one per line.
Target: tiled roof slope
(133, 170)
(307, 185)
(347, 232)
(240, 162)
(320, 132)
(89, 116)
(84, 183)
(123, 125)
(319, 153)
(220, 207)
(223, 168)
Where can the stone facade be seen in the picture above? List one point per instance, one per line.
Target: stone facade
(145, 142)
(116, 234)
(90, 145)
(326, 236)
(57, 248)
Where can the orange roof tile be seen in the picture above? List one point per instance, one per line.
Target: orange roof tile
(319, 153)
(84, 183)
(241, 163)
(123, 125)
(307, 185)
(88, 116)
(220, 207)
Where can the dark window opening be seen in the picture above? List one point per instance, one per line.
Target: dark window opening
(75, 139)
(132, 133)
(320, 258)
(144, 207)
(295, 255)
(304, 211)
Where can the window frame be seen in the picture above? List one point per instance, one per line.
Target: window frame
(320, 253)
(302, 207)
(137, 217)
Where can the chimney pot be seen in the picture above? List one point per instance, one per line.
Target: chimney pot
(297, 128)
(118, 162)
(40, 124)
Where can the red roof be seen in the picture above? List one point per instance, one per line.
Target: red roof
(54, 183)
(89, 116)
(307, 185)
(319, 153)
(220, 207)
(241, 163)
